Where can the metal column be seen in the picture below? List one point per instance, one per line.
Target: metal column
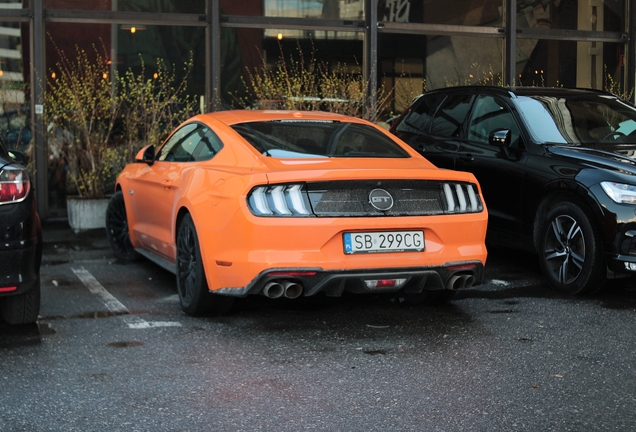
(37, 81)
(510, 62)
(630, 50)
(213, 56)
(370, 53)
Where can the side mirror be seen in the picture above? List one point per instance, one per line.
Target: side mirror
(501, 138)
(19, 157)
(146, 155)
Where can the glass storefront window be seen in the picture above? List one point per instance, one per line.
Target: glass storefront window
(401, 60)
(570, 64)
(462, 12)
(166, 6)
(14, 122)
(331, 53)
(463, 60)
(334, 9)
(600, 15)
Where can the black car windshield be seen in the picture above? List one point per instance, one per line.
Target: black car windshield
(318, 139)
(578, 120)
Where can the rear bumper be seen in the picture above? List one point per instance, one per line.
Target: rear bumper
(20, 247)
(333, 283)
(19, 266)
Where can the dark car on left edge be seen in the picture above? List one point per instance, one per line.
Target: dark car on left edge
(21, 245)
(557, 168)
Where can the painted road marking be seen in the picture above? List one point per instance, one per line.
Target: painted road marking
(115, 306)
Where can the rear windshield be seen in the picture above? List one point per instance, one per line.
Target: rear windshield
(318, 139)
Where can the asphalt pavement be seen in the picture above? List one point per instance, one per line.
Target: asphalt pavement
(113, 351)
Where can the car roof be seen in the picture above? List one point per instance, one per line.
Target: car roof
(241, 116)
(522, 91)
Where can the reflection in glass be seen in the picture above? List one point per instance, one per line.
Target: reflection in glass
(461, 60)
(334, 9)
(462, 12)
(577, 120)
(604, 15)
(548, 63)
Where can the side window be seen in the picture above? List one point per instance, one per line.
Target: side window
(450, 117)
(418, 119)
(193, 142)
(489, 115)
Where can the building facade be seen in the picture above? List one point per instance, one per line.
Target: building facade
(408, 46)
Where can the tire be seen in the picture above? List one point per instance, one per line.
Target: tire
(570, 250)
(117, 229)
(194, 294)
(22, 308)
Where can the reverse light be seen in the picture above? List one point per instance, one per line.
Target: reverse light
(14, 184)
(619, 192)
(279, 200)
(384, 283)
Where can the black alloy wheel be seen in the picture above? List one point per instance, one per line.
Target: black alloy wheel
(570, 250)
(117, 229)
(194, 294)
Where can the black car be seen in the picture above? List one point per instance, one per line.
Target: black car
(21, 244)
(557, 169)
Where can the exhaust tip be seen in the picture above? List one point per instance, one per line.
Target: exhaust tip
(455, 282)
(469, 281)
(273, 290)
(292, 290)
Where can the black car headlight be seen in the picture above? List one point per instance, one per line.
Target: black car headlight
(279, 200)
(619, 192)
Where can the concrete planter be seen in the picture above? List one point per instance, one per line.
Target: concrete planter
(84, 214)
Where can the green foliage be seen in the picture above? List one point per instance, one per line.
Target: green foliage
(82, 109)
(153, 106)
(615, 87)
(96, 122)
(297, 83)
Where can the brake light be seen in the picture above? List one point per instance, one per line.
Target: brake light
(279, 200)
(14, 184)
(8, 289)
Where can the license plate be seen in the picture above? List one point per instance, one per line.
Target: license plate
(386, 241)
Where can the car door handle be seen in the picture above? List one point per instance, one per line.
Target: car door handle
(166, 184)
(467, 158)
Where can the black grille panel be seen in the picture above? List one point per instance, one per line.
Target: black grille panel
(410, 198)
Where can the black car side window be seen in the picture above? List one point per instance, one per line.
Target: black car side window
(489, 115)
(450, 116)
(417, 120)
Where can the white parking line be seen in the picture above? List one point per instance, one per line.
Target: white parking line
(114, 305)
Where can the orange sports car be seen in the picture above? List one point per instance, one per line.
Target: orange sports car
(289, 204)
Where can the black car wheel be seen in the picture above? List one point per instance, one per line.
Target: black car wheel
(192, 285)
(570, 250)
(22, 308)
(117, 228)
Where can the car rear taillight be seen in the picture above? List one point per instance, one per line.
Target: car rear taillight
(14, 184)
(279, 200)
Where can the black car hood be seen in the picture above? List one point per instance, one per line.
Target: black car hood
(615, 157)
